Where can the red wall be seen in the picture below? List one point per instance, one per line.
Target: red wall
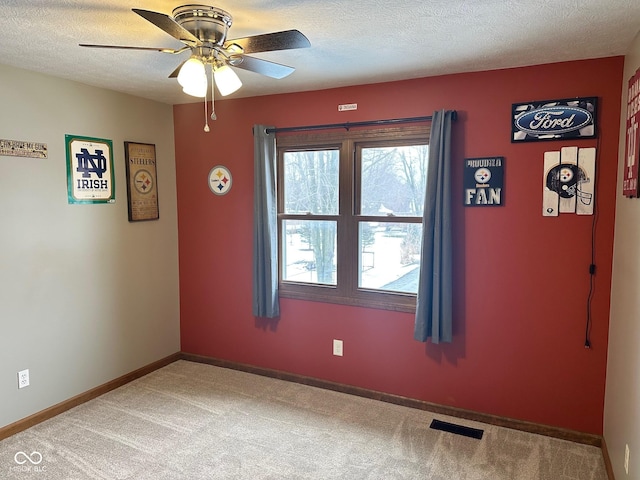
(521, 280)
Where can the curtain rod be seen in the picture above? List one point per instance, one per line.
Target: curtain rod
(349, 125)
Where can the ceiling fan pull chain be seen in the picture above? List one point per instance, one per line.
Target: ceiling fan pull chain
(206, 122)
(213, 108)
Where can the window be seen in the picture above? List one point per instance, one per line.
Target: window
(350, 216)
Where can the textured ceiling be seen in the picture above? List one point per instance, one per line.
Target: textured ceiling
(352, 41)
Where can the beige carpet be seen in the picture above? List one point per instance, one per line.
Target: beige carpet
(194, 421)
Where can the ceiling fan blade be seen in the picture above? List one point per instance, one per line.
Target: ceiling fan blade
(123, 47)
(267, 42)
(166, 23)
(263, 67)
(174, 74)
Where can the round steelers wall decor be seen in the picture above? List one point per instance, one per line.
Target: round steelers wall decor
(220, 180)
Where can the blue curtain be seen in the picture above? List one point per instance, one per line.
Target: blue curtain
(434, 301)
(265, 225)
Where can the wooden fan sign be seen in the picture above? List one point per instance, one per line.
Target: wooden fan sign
(569, 181)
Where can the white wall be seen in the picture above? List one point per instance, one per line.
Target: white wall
(622, 398)
(85, 295)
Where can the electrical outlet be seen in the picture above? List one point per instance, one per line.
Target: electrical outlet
(23, 378)
(626, 459)
(337, 347)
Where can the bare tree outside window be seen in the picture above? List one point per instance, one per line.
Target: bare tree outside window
(393, 182)
(350, 211)
(311, 188)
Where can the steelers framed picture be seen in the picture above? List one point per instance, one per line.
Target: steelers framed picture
(142, 181)
(484, 182)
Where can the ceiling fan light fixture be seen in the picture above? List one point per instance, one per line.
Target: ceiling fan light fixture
(193, 78)
(226, 79)
(203, 29)
(195, 91)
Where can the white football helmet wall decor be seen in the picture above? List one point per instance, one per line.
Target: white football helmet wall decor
(569, 181)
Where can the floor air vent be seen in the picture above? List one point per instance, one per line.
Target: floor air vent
(457, 429)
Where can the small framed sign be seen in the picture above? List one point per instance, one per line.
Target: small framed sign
(142, 181)
(17, 148)
(569, 118)
(484, 182)
(90, 176)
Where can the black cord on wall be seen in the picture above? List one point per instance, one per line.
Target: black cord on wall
(592, 266)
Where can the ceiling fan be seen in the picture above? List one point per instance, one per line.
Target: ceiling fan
(203, 30)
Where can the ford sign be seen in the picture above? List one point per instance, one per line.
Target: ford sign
(552, 120)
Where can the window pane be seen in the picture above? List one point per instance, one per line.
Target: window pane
(394, 180)
(309, 251)
(311, 182)
(389, 256)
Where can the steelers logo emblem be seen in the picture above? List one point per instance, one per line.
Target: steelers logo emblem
(220, 180)
(143, 181)
(566, 174)
(482, 175)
